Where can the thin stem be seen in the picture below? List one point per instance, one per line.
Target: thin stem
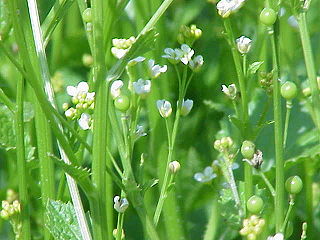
(309, 60)
(21, 163)
(278, 131)
(291, 204)
(244, 103)
(119, 226)
(114, 163)
(6, 100)
(267, 182)
(286, 125)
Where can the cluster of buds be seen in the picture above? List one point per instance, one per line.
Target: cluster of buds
(184, 54)
(83, 105)
(266, 81)
(121, 46)
(188, 35)
(252, 227)
(230, 91)
(307, 91)
(223, 145)
(115, 233)
(10, 209)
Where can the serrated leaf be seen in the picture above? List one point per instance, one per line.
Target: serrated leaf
(141, 45)
(79, 174)
(253, 68)
(61, 221)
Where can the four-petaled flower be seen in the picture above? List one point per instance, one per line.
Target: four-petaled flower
(164, 108)
(243, 44)
(206, 176)
(230, 91)
(227, 7)
(120, 205)
(155, 70)
(115, 88)
(142, 87)
(187, 54)
(81, 88)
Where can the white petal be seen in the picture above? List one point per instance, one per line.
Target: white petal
(84, 121)
(198, 177)
(208, 171)
(72, 91)
(83, 87)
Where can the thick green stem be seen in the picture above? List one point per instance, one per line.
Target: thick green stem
(278, 131)
(21, 164)
(244, 103)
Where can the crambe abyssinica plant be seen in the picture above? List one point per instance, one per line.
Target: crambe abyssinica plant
(159, 119)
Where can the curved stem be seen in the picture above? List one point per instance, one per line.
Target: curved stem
(267, 182)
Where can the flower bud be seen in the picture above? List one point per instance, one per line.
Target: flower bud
(243, 44)
(186, 107)
(230, 91)
(164, 108)
(174, 167)
(120, 205)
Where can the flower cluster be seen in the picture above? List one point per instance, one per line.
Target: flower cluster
(83, 101)
(224, 144)
(188, 35)
(227, 7)
(266, 81)
(252, 227)
(184, 54)
(121, 46)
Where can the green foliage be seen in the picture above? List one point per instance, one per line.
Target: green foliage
(61, 221)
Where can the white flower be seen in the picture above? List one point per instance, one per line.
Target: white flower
(186, 107)
(278, 236)
(196, 63)
(243, 44)
(140, 131)
(82, 88)
(206, 176)
(155, 70)
(120, 205)
(174, 166)
(84, 121)
(119, 52)
(164, 108)
(115, 88)
(187, 54)
(70, 113)
(90, 97)
(142, 87)
(230, 91)
(136, 60)
(173, 55)
(226, 7)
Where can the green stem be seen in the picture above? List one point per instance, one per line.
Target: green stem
(291, 204)
(21, 163)
(308, 183)
(278, 131)
(267, 182)
(286, 125)
(6, 100)
(309, 60)
(119, 226)
(244, 103)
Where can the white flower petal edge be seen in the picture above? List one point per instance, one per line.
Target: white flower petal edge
(84, 121)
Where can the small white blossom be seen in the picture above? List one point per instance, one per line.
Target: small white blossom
(196, 63)
(155, 70)
(70, 113)
(82, 88)
(173, 55)
(136, 60)
(230, 91)
(186, 107)
(278, 236)
(120, 205)
(174, 166)
(187, 54)
(142, 87)
(206, 176)
(227, 7)
(140, 131)
(164, 108)
(243, 44)
(85, 121)
(115, 88)
(119, 52)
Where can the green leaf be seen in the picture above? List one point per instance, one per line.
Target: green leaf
(253, 68)
(28, 112)
(61, 221)
(81, 175)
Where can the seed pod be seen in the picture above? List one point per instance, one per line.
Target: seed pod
(5, 20)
